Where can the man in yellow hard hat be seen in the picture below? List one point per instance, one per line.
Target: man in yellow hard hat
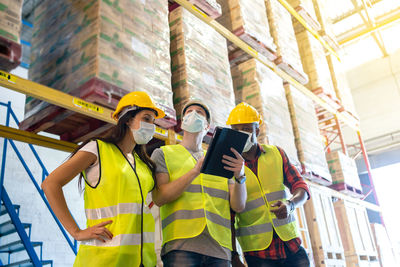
(195, 208)
(266, 228)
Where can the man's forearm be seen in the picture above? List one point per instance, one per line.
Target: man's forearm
(299, 197)
(238, 196)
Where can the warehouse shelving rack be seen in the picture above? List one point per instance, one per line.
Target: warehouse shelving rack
(169, 136)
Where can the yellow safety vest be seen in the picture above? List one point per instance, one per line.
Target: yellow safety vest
(255, 224)
(204, 203)
(117, 197)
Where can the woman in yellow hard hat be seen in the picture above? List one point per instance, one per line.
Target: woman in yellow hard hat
(118, 175)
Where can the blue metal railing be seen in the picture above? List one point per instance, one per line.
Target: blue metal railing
(10, 113)
(20, 230)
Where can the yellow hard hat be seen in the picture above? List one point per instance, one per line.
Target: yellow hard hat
(243, 113)
(137, 99)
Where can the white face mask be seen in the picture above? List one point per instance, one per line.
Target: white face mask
(194, 122)
(249, 142)
(144, 134)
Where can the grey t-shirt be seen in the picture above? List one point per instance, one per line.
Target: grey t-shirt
(203, 244)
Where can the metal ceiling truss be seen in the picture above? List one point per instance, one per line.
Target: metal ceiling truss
(371, 25)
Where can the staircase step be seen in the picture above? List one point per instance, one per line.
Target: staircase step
(16, 246)
(20, 263)
(4, 211)
(9, 228)
(27, 263)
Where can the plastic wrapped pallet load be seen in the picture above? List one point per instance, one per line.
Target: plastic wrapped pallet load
(307, 137)
(10, 27)
(315, 64)
(280, 23)
(257, 85)
(343, 169)
(247, 20)
(200, 65)
(96, 48)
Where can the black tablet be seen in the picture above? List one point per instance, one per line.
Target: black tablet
(221, 143)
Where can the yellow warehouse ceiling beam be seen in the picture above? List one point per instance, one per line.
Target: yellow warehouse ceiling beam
(344, 117)
(379, 25)
(352, 12)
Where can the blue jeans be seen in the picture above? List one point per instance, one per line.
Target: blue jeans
(299, 259)
(180, 258)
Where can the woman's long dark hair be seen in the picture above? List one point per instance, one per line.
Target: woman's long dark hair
(116, 135)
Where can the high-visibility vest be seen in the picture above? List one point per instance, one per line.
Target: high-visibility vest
(204, 203)
(117, 197)
(255, 224)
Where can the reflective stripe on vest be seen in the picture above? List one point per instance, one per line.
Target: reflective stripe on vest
(255, 224)
(112, 211)
(194, 214)
(214, 192)
(253, 204)
(122, 240)
(204, 203)
(117, 197)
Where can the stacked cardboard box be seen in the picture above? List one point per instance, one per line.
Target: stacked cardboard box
(257, 85)
(124, 45)
(10, 19)
(314, 63)
(343, 169)
(200, 66)
(280, 23)
(10, 26)
(247, 20)
(313, 53)
(307, 137)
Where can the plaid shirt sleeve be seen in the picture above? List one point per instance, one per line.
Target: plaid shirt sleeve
(291, 176)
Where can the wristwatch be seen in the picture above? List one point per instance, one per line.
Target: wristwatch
(241, 179)
(291, 206)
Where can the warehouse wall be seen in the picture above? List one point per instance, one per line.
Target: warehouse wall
(376, 91)
(23, 193)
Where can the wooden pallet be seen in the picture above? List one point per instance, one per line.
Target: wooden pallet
(347, 189)
(356, 233)
(237, 55)
(313, 176)
(301, 77)
(324, 232)
(75, 127)
(205, 6)
(330, 99)
(10, 54)
(307, 17)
